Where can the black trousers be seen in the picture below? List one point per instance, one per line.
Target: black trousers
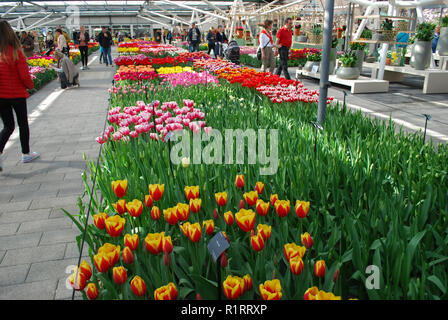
(283, 53)
(211, 46)
(19, 107)
(84, 50)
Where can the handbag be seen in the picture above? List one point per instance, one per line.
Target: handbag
(259, 52)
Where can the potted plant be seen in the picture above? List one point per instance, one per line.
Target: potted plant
(421, 50)
(348, 71)
(239, 32)
(388, 57)
(297, 30)
(387, 30)
(442, 44)
(316, 34)
(358, 49)
(313, 58)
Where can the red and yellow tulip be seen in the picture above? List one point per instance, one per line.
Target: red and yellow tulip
(302, 208)
(92, 291)
(184, 228)
(107, 256)
(100, 220)
(167, 244)
(182, 211)
(128, 256)
(194, 232)
(195, 205)
(85, 269)
(120, 187)
(135, 208)
(257, 242)
(296, 265)
(264, 230)
(306, 239)
(259, 187)
(239, 181)
(170, 215)
(245, 219)
(209, 226)
(155, 213)
(138, 286)
(282, 207)
(319, 269)
(271, 290)
(291, 250)
(156, 191)
(168, 292)
(314, 293)
(228, 217)
(81, 281)
(233, 287)
(221, 198)
(251, 197)
(114, 225)
(148, 201)
(131, 241)
(273, 198)
(153, 242)
(120, 206)
(192, 192)
(120, 275)
(248, 283)
(262, 207)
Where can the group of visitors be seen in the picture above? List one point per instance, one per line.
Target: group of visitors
(104, 39)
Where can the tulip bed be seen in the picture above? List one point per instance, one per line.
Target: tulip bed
(353, 195)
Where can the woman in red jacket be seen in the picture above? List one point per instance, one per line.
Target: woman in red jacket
(14, 80)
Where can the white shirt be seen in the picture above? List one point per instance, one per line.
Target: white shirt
(265, 41)
(62, 43)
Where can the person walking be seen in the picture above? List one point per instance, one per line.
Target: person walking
(27, 43)
(67, 72)
(83, 40)
(105, 40)
(220, 39)
(435, 40)
(283, 43)
(61, 42)
(194, 38)
(37, 47)
(14, 80)
(267, 45)
(169, 37)
(211, 40)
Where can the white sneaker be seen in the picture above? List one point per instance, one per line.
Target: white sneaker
(30, 157)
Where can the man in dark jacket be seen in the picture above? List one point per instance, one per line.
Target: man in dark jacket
(194, 38)
(105, 40)
(27, 43)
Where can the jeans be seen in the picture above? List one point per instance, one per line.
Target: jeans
(194, 46)
(19, 107)
(84, 53)
(106, 52)
(218, 50)
(283, 65)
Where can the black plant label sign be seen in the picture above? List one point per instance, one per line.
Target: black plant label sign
(217, 245)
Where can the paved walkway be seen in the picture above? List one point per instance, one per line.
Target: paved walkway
(36, 237)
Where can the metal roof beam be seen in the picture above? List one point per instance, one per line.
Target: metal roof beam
(10, 10)
(195, 9)
(152, 20)
(169, 13)
(164, 16)
(214, 6)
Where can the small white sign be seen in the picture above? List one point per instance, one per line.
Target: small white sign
(315, 69)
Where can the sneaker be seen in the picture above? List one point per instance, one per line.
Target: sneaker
(87, 67)
(30, 157)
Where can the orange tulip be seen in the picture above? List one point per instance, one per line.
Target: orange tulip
(120, 206)
(247, 282)
(291, 250)
(296, 265)
(264, 230)
(194, 232)
(257, 242)
(153, 242)
(192, 192)
(92, 291)
(115, 225)
(315, 294)
(311, 293)
(170, 215)
(120, 187)
(184, 228)
(233, 287)
(319, 269)
(155, 213)
(228, 217)
(209, 226)
(271, 290)
(182, 211)
(128, 256)
(148, 201)
(306, 239)
(195, 205)
(274, 198)
(138, 286)
(85, 269)
(81, 280)
(135, 208)
(302, 208)
(221, 198)
(245, 219)
(131, 241)
(167, 244)
(251, 197)
(259, 187)
(120, 275)
(262, 207)
(100, 219)
(107, 256)
(239, 181)
(282, 207)
(168, 292)
(156, 191)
